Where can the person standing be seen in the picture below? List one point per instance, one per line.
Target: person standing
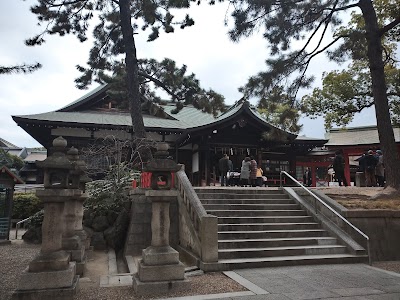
(380, 169)
(259, 176)
(253, 171)
(370, 162)
(245, 172)
(223, 168)
(307, 177)
(338, 167)
(230, 172)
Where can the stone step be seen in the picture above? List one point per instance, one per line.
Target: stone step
(262, 234)
(251, 206)
(238, 190)
(264, 219)
(258, 212)
(275, 242)
(267, 226)
(247, 201)
(241, 196)
(260, 262)
(280, 251)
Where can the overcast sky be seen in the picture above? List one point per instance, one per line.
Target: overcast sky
(205, 48)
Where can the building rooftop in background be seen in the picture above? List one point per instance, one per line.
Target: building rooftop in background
(364, 135)
(36, 155)
(6, 144)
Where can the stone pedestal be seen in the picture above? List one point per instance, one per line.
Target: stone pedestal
(73, 243)
(47, 285)
(160, 269)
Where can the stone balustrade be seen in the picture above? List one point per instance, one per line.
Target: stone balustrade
(205, 226)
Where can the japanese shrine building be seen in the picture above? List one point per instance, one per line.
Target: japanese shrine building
(197, 139)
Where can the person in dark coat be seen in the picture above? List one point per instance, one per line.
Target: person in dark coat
(307, 177)
(338, 167)
(370, 162)
(223, 165)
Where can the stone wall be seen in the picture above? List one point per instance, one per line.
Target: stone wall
(139, 231)
(383, 229)
(381, 226)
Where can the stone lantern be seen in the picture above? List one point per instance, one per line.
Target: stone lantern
(161, 168)
(160, 269)
(51, 275)
(75, 239)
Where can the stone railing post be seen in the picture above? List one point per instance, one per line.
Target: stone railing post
(209, 238)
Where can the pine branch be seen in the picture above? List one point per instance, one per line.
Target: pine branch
(62, 4)
(20, 69)
(160, 84)
(389, 26)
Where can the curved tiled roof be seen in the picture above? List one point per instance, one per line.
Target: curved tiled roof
(188, 118)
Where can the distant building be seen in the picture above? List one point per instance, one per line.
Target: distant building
(29, 172)
(354, 141)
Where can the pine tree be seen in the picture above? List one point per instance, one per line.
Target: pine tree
(118, 21)
(283, 22)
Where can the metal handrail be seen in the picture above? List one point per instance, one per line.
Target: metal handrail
(17, 226)
(330, 208)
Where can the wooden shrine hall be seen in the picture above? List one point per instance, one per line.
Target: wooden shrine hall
(197, 139)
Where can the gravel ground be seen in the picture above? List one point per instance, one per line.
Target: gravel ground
(350, 190)
(210, 283)
(14, 258)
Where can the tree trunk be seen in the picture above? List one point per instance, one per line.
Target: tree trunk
(132, 81)
(385, 129)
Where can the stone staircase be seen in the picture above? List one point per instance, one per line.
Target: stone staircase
(259, 227)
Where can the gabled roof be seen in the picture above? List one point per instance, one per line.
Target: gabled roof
(188, 118)
(6, 144)
(366, 135)
(93, 94)
(7, 171)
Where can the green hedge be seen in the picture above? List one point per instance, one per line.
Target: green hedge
(25, 205)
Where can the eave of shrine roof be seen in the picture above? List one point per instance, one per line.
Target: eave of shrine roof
(97, 118)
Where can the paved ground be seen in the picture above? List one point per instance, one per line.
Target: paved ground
(334, 282)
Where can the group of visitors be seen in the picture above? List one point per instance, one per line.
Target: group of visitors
(250, 173)
(372, 165)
